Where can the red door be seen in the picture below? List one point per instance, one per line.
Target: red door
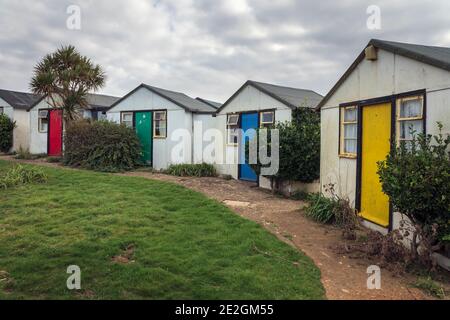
(55, 133)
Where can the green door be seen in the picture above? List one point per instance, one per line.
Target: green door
(143, 123)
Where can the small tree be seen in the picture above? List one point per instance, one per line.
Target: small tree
(416, 177)
(65, 77)
(299, 148)
(6, 133)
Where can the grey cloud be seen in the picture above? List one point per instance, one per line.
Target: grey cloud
(209, 48)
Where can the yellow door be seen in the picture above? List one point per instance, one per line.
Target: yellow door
(376, 133)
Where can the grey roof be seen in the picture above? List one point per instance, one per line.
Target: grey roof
(291, 97)
(214, 104)
(435, 56)
(95, 101)
(19, 100)
(100, 101)
(177, 98)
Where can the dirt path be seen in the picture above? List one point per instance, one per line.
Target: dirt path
(342, 277)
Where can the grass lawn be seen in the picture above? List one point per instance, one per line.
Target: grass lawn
(183, 245)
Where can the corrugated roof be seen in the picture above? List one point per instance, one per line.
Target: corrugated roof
(95, 101)
(213, 104)
(178, 98)
(296, 97)
(19, 100)
(436, 56)
(182, 100)
(100, 101)
(432, 55)
(291, 97)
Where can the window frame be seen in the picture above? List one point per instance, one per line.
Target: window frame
(231, 127)
(40, 118)
(123, 114)
(264, 124)
(342, 124)
(399, 120)
(2, 110)
(154, 124)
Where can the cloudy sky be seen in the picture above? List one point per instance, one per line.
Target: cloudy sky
(208, 48)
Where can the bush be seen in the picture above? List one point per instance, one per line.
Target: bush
(320, 209)
(333, 209)
(19, 175)
(101, 145)
(299, 148)
(416, 177)
(192, 170)
(6, 133)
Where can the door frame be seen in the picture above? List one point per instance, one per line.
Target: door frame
(152, 111)
(49, 128)
(360, 105)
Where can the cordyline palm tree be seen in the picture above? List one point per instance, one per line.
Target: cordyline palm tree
(65, 77)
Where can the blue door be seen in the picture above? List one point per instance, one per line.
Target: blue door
(248, 121)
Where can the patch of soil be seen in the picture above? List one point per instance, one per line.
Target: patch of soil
(85, 294)
(6, 281)
(126, 256)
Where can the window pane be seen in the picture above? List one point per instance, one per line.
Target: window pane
(160, 115)
(233, 135)
(43, 125)
(350, 115)
(411, 108)
(233, 119)
(410, 128)
(350, 146)
(267, 117)
(126, 117)
(350, 131)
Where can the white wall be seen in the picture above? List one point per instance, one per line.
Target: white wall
(177, 118)
(390, 74)
(38, 140)
(21, 132)
(249, 99)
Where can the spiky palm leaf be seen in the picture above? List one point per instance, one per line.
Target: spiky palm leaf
(65, 77)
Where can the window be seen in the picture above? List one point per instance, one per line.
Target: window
(2, 110)
(233, 119)
(233, 129)
(267, 118)
(42, 120)
(409, 118)
(349, 131)
(127, 119)
(159, 124)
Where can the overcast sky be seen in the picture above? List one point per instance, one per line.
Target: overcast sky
(208, 48)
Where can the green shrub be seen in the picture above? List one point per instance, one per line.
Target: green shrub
(333, 209)
(101, 145)
(6, 133)
(23, 154)
(19, 175)
(416, 177)
(299, 148)
(430, 286)
(192, 170)
(320, 209)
